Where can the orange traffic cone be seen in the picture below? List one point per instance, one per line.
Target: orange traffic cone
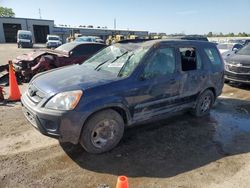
(122, 182)
(14, 90)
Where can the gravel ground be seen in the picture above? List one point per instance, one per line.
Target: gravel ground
(181, 151)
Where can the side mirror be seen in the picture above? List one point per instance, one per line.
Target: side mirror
(235, 50)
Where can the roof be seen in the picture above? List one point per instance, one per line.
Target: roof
(69, 46)
(133, 45)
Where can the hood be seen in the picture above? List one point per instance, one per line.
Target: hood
(236, 58)
(74, 77)
(36, 53)
(28, 56)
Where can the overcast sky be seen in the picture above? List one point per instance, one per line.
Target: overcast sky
(169, 16)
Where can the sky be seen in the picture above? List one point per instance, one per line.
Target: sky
(168, 16)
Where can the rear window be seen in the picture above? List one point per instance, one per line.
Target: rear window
(213, 56)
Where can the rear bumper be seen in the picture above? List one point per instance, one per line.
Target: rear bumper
(65, 126)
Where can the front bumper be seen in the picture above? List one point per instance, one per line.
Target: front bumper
(237, 77)
(50, 45)
(65, 126)
(26, 44)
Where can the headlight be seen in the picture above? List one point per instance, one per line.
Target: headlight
(64, 101)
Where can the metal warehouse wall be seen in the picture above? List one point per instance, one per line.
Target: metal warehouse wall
(26, 24)
(64, 32)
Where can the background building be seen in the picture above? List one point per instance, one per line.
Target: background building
(40, 28)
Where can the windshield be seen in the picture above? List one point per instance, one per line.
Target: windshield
(24, 36)
(116, 60)
(245, 50)
(53, 38)
(84, 39)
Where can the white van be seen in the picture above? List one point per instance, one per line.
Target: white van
(24, 39)
(53, 41)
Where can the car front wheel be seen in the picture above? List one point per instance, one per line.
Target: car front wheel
(102, 132)
(204, 103)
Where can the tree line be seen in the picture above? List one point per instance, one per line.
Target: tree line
(243, 34)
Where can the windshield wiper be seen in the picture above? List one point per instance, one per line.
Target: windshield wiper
(98, 66)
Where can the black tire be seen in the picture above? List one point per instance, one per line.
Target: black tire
(93, 135)
(204, 103)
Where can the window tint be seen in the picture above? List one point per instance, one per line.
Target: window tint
(213, 55)
(190, 59)
(161, 63)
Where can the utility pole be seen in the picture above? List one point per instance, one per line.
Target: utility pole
(115, 24)
(40, 15)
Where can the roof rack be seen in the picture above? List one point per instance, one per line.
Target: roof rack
(134, 40)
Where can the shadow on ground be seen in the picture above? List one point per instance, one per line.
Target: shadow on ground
(240, 85)
(175, 145)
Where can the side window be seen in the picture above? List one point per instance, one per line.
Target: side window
(77, 51)
(213, 55)
(87, 49)
(93, 48)
(190, 59)
(161, 63)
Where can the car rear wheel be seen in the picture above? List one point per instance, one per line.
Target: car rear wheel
(102, 132)
(204, 103)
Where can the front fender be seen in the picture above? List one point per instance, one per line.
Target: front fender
(84, 111)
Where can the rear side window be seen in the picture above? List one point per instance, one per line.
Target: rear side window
(213, 55)
(190, 59)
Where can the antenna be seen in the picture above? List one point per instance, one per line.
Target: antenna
(40, 15)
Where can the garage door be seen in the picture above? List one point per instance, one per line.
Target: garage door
(10, 31)
(40, 33)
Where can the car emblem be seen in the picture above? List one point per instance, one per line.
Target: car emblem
(238, 65)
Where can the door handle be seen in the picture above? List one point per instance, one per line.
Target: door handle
(172, 80)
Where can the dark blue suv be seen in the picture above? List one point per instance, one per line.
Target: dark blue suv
(122, 85)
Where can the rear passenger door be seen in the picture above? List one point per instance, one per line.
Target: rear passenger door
(158, 85)
(193, 72)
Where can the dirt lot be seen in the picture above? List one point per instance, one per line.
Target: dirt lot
(181, 151)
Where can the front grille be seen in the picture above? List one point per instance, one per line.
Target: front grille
(34, 94)
(238, 69)
(242, 77)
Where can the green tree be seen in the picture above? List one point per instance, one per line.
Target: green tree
(244, 34)
(6, 12)
(210, 34)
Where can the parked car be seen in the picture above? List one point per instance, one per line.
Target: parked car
(122, 85)
(53, 41)
(191, 37)
(237, 66)
(27, 65)
(24, 39)
(247, 41)
(227, 49)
